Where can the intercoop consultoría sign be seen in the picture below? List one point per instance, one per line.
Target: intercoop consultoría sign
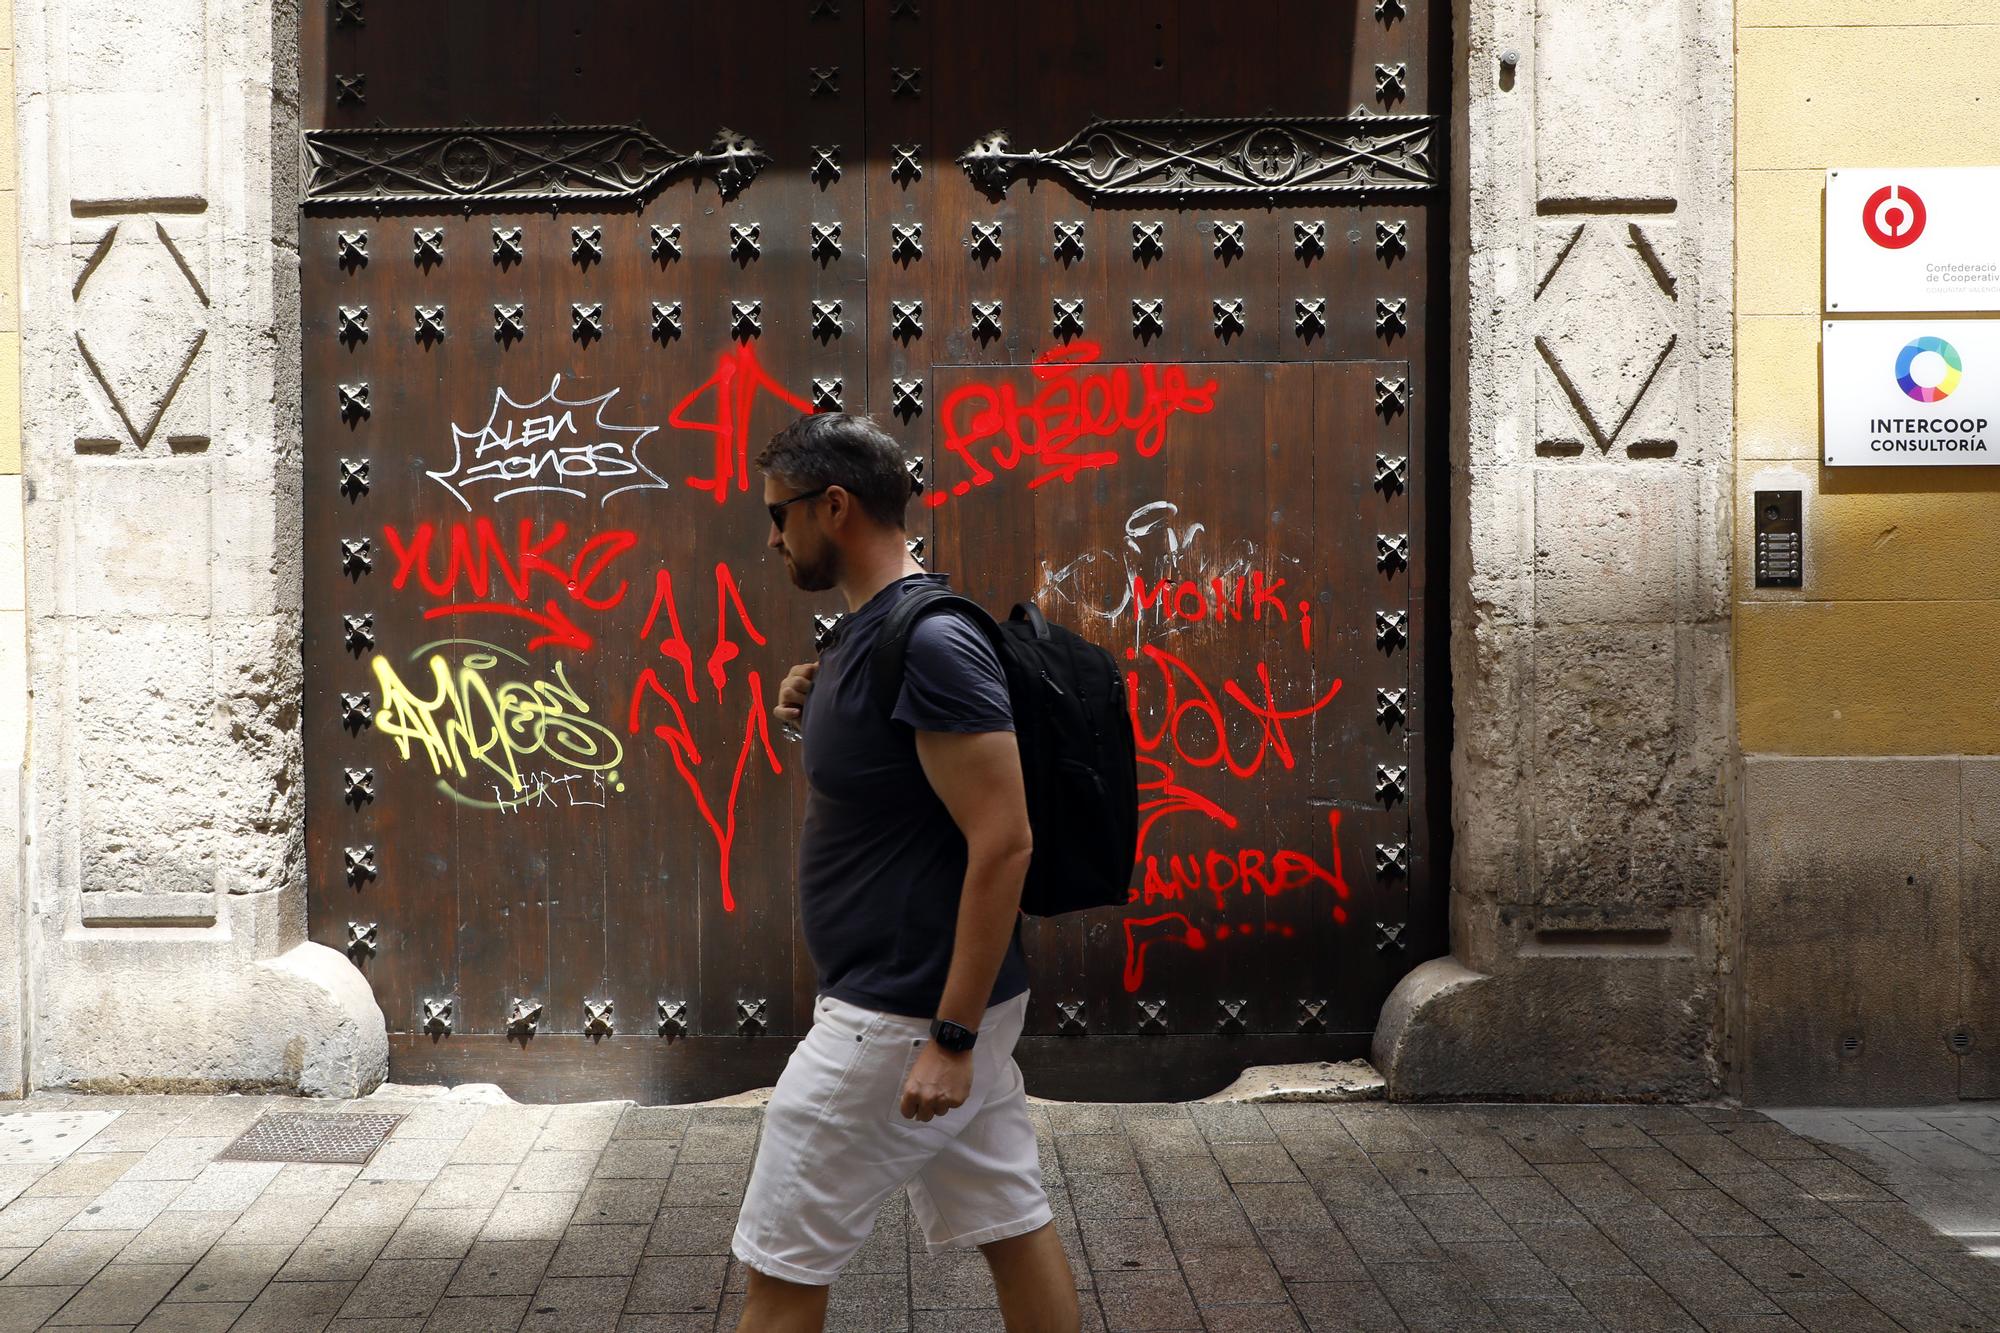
(1902, 392)
(1912, 239)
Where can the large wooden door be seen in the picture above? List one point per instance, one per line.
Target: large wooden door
(1143, 285)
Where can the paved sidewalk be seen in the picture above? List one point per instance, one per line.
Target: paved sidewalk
(1263, 1219)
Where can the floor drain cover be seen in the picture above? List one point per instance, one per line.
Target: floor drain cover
(308, 1136)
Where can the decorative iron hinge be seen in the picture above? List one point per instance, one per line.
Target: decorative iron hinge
(509, 247)
(1312, 1015)
(1309, 316)
(1228, 240)
(906, 242)
(362, 938)
(906, 398)
(1392, 859)
(1391, 628)
(524, 1017)
(354, 401)
(1068, 242)
(438, 1015)
(586, 245)
(1153, 1016)
(673, 1018)
(430, 323)
(1390, 472)
(1149, 241)
(358, 785)
(826, 325)
(825, 168)
(514, 163)
(1254, 158)
(752, 1017)
(1308, 239)
(355, 555)
(1149, 317)
(825, 241)
(1068, 319)
(352, 248)
(427, 246)
(906, 163)
(827, 393)
(354, 477)
(353, 324)
(586, 321)
(746, 319)
(1071, 1021)
(1391, 783)
(359, 862)
(1392, 552)
(597, 1018)
(906, 320)
(358, 631)
(1229, 317)
(1391, 396)
(985, 320)
(1389, 705)
(666, 320)
(1231, 1018)
(666, 242)
(1389, 315)
(1392, 238)
(510, 322)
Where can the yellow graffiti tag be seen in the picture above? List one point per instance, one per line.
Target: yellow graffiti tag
(469, 723)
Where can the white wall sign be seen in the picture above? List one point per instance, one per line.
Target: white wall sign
(1900, 392)
(1914, 238)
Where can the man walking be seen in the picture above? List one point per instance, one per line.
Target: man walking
(911, 860)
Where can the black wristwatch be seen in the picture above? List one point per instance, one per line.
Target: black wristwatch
(953, 1036)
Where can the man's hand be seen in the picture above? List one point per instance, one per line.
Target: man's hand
(939, 1081)
(792, 694)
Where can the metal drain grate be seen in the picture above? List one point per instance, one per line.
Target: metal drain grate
(307, 1136)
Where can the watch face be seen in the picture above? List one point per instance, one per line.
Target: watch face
(952, 1036)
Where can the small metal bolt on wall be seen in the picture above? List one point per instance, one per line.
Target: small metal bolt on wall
(1312, 1015)
(524, 1017)
(673, 1017)
(359, 785)
(355, 556)
(1392, 238)
(586, 245)
(1389, 936)
(823, 81)
(508, 247)
(597, 1018)
(906, 242)
(666, 320)
(348, 14)
(1231, 1017)
(984, 241)
(362, 938)
(1389, 11)
(752, 1017)
(1389, 705)
(666, 243)
(826, 322)
(1070, 1018)
(1149, 318)
(1391, 396)
(510, 322)
(915, 546)
(827, 395)
(824, 627)
(1391, 81)
(1149, 241)
(1308, 239)
(825, 165)
(1229, 320)
(427, 246)
(350, 89)
(906, 163)
(430, 323)
(746, 319)
(586, 321)
(1228, 240)
(906, 398)
(913, 466)
(1309, 317)
(1391, 628)
(745, 241)
(353, 324)
(354, 477)
(1152, 1016)
(986, 320)
(1067, 322)
(1390, 472)
(358, 631)
(353, 401)
(1068, 241)
(905, 81)
(437, 1015)
(1391, 782)
(357, 711)
(1392, 858)
(351, 247)
(1390, 315)
(1392, 551)
(824, 238)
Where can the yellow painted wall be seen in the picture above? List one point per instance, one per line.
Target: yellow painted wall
(1893, 645)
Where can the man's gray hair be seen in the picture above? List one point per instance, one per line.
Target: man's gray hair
(847, 450)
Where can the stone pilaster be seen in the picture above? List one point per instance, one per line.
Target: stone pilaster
(1590, 518)
(161, 453)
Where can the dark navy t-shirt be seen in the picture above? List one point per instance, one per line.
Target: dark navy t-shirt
(881, 863)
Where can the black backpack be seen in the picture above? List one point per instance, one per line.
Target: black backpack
(1078, 758)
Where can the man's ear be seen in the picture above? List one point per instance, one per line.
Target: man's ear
(839, 506)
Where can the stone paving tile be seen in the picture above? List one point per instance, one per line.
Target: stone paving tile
(1112, 1244)
(177, 1238)
(681, 1283)
(1344, 1307)
(719, 1141)
(26, 1308)
(1318, 1254)
(576, 1305)
(335, 1254)
(231, 1273)
(467, 1186)
(1098, 1152)
(610, 1201)
(1429, 1172)
(1633, 1305)
(1458, 1217)
(374, 1203)
(129, 1205)
(477, 1314)
(681, 1231)
(1387, 1235)
(653, 1122)
(1147, 1299)
(502, 1134)
(638, 1159)
(436, 1233)
(294, 1307)
(556, 1170)
(68, 1258)
(707, 1185)
(399, 1289)
(1433, 1298)
(1250, 1319)
(502, 1268)
(17, 1178)
(177, 1158)
(598, 1251)
(12, 1256)
(1218, 1275)
(120, 1294)
(409, 1159)
(584, 1127)
(209, 1317)
(86, 1174)
(279, 1219)
(531, 1216)
(443, 1120)
(302, 1178)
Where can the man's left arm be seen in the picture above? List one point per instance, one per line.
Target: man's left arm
(977, 775)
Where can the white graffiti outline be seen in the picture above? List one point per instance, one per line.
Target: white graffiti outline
(560, 417)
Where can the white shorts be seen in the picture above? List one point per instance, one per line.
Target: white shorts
(836, 1145)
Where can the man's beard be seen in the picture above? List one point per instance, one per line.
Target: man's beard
(822, 574)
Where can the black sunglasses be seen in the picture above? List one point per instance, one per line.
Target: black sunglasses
(777, 510)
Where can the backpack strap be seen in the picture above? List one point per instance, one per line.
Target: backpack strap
(885, 660)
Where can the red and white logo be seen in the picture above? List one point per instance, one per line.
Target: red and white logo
(1893, 217)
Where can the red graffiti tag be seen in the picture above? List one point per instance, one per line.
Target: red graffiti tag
(1221, 599)
(678, 732)
(1069, 408)
(738, 377)
(1186, 695)
(1142, 933)
(475, 557)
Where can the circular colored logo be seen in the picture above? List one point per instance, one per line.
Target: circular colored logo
(1894, 216)
(1906, 363)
